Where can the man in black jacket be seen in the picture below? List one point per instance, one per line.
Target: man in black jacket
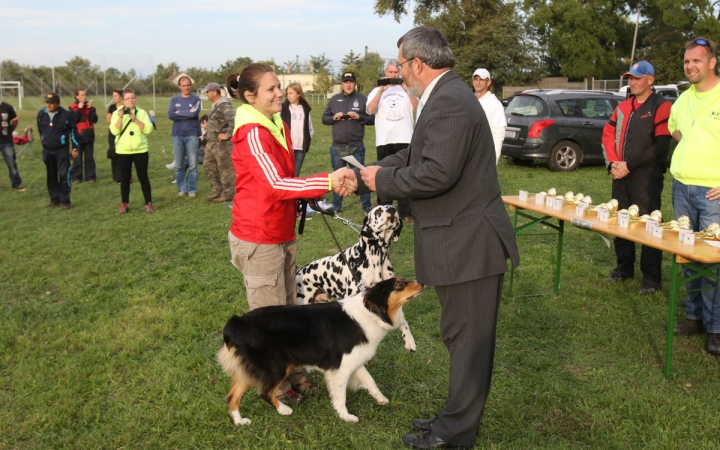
(346, 114)
(55, 124)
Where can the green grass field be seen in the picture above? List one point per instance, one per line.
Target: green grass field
(110, 325)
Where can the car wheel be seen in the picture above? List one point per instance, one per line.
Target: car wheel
(565, 156)
(522, 162)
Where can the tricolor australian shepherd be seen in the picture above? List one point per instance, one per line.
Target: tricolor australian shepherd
(263, 346)
(330, 278)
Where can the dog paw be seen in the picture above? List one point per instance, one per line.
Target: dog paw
(284, 410)
(238, 420)
(381, 399)
(349, 418)
(410, 345)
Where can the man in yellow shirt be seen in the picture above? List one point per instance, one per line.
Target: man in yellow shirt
(695, 124)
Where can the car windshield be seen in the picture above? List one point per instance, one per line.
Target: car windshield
(526, 105)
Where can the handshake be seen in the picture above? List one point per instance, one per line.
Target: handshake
(344, 182)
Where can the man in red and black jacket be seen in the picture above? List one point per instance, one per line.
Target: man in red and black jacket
(83, 137)
(635, 143)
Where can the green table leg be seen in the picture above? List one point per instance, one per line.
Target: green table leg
(671, 317)
(512, 267)
(558, 263)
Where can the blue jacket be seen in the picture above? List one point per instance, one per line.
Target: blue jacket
(185, 122)
(55, 134)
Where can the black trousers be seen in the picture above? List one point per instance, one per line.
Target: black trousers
(141, 161)
(403, 203)
(467, 325)
(57, 165)
(86, 158)
(644, 189)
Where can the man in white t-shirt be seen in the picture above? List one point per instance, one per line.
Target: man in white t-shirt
(393, 108)
(494, 110)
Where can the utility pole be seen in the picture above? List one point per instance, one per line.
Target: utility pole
(366, 51)
(637, 23)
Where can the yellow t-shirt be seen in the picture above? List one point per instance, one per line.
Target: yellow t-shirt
(696, 160)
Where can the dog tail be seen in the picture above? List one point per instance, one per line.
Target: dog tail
(230, 362)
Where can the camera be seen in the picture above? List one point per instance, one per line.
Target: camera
(126, 110)
(389, 81)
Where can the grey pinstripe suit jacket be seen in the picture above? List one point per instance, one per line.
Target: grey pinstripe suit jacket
(462, 231)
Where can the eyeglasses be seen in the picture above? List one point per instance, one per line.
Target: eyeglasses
(406, 61)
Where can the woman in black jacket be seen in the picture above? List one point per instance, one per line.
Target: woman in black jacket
(296, 114)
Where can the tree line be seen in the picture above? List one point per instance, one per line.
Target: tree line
(522, 41)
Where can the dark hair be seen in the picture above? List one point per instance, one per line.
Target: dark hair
(77, 91)
(247, 81)
(204, 118)
(127, 91)
(184, 76)
(429, 45)
(118, 91)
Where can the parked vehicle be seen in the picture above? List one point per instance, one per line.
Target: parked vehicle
(562, 127)
(669, 91)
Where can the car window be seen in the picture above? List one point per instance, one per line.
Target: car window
(527, 105)
(597, 108)
(669, 93)
(568, 106)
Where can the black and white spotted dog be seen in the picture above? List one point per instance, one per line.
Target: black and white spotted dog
(329, 278)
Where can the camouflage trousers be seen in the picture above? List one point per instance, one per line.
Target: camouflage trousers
(219, 168)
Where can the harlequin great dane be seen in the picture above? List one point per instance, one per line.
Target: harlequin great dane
(329, 277)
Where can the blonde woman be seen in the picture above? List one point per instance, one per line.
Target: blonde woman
(296, 114)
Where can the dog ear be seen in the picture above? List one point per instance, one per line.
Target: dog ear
(396, 233)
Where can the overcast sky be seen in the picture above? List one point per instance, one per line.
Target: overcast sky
(128, 33)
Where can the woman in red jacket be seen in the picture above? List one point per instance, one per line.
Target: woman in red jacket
(262, 234)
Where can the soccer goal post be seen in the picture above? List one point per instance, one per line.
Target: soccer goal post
(10, 85)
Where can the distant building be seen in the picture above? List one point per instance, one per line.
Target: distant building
(306, 80)
(175, 78)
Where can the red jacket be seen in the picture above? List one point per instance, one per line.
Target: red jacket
(266, 190)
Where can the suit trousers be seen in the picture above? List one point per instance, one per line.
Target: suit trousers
(467, 325)
(403, 203)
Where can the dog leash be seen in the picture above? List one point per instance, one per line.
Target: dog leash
(314, 205)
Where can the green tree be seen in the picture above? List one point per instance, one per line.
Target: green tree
(584, 38)
(323, 82)
(667, 25)
(162, 73)
(320, 62)
(485, 33)
(369, 70)
(79, 71)
(350, 63)
(233, 66)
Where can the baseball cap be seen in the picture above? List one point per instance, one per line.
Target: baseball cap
(639, 69)
(52, 98)
(213, 87)
(349, 76)
(483, 74)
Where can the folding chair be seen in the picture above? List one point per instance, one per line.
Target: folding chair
(23, 142)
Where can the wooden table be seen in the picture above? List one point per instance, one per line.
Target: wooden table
(683, 254)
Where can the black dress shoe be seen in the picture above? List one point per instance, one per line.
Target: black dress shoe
(426, 439)
(648, 290)
(614, 278)
(424, 424)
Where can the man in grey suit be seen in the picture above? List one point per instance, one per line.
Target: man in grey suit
(463, 235)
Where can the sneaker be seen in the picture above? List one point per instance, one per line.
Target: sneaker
(171, 166)
(324, 205)
(306, 387)
(64, 206)
(51, 204)
(291, 397)
(690, 327)
(180, 194)
(713, 343)
(19, 189)
(149, 208)
(212, 197)
(123, 208)
(191, 195)
(174, 182)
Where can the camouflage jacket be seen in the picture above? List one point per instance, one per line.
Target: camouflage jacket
(220, 120)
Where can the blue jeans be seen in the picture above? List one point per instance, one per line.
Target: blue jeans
(299, 158)
(700, 305)
(338, 163)
(186, 147)
(8, 151)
